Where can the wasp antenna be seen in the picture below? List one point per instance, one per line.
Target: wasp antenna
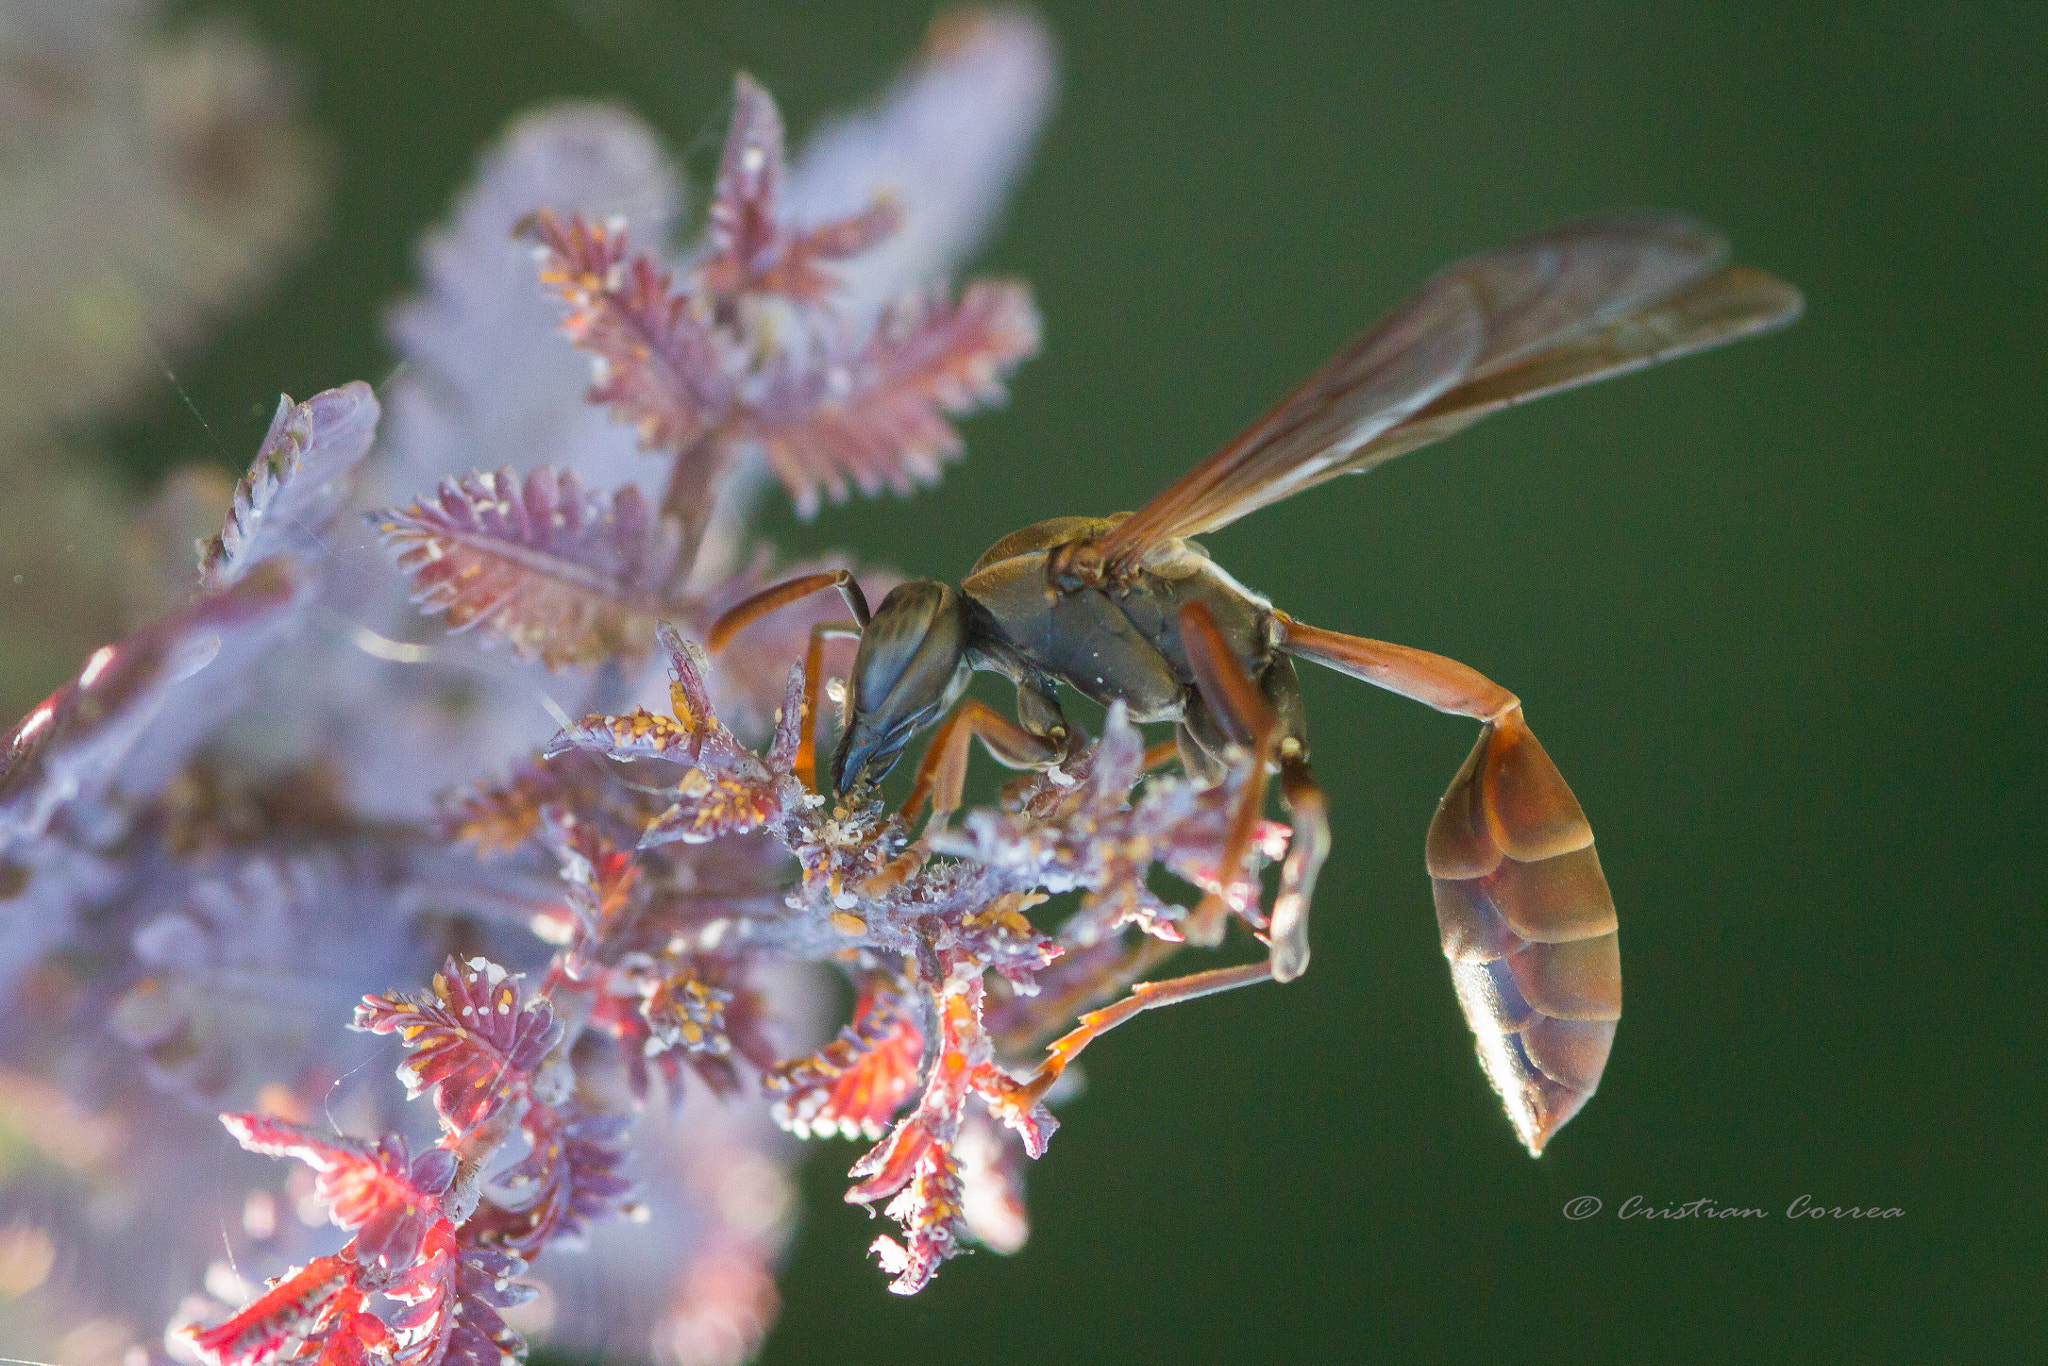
(781, 595)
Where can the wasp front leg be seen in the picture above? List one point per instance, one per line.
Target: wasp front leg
(805, 765)
(1524, 910)
(744, 614)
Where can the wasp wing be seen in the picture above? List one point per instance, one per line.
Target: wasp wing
(1732, 303)
(1570, 306)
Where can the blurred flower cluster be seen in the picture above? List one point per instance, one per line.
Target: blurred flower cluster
(326, 814)
(149, 179)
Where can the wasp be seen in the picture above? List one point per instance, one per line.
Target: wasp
(1129, 609)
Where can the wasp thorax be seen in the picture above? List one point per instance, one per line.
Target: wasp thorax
(911, 667)
(1077, 564)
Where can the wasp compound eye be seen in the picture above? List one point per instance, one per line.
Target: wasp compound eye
(911, 666)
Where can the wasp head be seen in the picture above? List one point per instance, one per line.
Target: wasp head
(911, 666)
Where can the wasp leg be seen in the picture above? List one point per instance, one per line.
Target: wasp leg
(1200, 743)
(781, 595)
(805, 765)
(943, 773)
(814, 676)
(1250, 721)
(1306, 850)
(1144, 996)
(1309, 845)
(1044, 1014)
(1526, 917)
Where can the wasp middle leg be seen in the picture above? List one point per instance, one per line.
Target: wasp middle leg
(943, 773)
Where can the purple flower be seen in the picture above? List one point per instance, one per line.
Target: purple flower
(325, 782)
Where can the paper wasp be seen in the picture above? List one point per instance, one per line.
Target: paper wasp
(1127, 608)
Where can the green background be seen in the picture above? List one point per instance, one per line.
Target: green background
(1775, 611)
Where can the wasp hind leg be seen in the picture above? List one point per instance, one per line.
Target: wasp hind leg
(1144, 996)
(1264, 720)
(1527, 921)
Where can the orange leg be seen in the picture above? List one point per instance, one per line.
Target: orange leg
(806, 762)
(1522, 905)
(1246, 717)
(1144, 996)
(1048, 1011)
(781, 595)
(1310, 845)
(943, 773)
(1251, 723)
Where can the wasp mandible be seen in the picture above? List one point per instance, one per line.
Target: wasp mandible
(1128, 609)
